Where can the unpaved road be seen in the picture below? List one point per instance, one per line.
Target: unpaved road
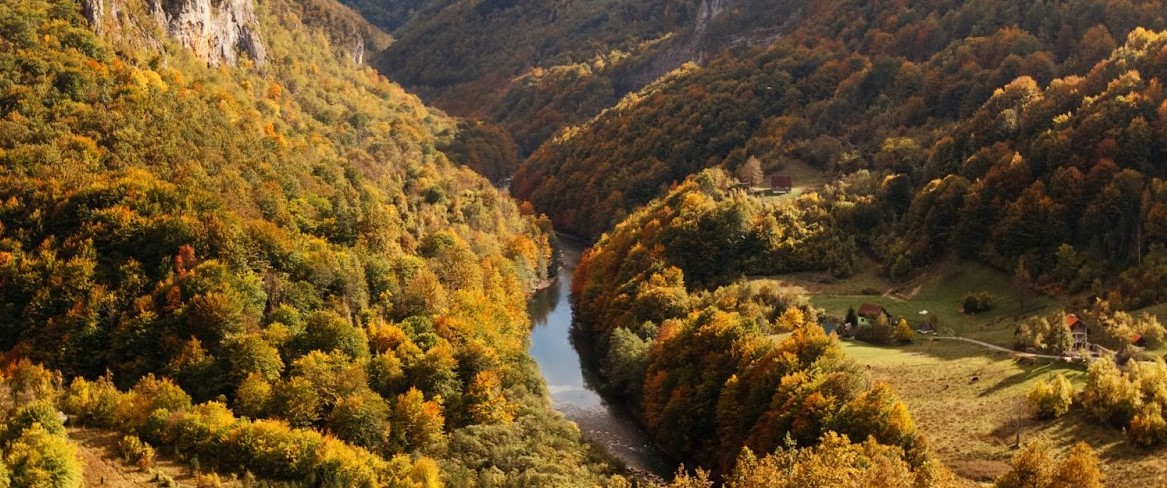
(998, 348)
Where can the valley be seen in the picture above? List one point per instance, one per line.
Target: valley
(839, 243)
(572, 386)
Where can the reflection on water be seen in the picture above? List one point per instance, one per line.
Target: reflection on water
(571, 394)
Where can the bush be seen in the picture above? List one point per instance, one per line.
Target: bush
(903, 332)
(1036, 466)
(1048, 334)
(133, 450)
(1148, 429)
(42, 413)
(977, 302)
(39, 458)
(208, 480)
(1049, 400)
(881, 331)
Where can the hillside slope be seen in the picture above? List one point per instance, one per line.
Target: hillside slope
(852, 87)
(264, 252)
(534, 67)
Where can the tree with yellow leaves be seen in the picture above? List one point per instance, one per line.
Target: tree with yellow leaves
(417, 423)
(904, 333)
(487, 404)
(1035, 467)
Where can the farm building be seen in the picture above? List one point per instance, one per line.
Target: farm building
(781, 183)
(869, 312)
(1079, 330)
(926, 327)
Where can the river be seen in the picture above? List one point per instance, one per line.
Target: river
(571, 391)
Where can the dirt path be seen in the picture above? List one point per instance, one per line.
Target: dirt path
(103, 468)
(998, 348)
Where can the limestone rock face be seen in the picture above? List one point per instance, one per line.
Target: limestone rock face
(708, 11)
(218, 31)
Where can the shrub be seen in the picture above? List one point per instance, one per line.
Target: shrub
(903, 332)
(94, 402)
(1109, 395)
(1051, 399)
(1036, 466)
(1048, 334)
(977, 302)
(39, 458)
(1148, 429)
(880, 331)
(133, 450)
(208, 480)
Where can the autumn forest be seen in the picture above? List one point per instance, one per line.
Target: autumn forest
(301, 243)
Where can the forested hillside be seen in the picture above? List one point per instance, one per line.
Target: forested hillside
(852, 87)
(715, 369)
(270, 269)
(534, 66)
(1063, 179)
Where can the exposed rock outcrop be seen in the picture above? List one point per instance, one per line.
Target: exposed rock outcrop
(350, 34)
(707, 12)
(218, 31)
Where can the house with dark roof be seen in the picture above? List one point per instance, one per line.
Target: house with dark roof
(869, 312)
(781, 183)
(926, 327)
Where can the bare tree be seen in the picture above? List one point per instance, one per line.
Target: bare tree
(750, 172)
(1022, 280)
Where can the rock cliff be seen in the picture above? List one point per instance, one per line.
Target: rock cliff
(707, 12)
(218, 31)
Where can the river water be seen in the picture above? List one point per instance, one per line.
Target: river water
(569, 385)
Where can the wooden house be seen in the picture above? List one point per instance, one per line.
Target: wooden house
(1079, 331)
(869, 312)
(926, 327)
(781, 183)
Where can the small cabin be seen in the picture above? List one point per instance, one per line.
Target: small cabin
(1078, 330)
(926, 327)
(869, 312)
(781, 183)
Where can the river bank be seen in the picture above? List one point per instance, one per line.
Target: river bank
(569, 383)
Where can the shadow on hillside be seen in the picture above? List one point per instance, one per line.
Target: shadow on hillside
(1030, 369)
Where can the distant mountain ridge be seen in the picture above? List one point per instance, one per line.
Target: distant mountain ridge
(534, 67)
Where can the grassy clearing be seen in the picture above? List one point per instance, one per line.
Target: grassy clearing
(102, 467)
(971, 424)
(806, 178)
(1159, 311)
(941, 292)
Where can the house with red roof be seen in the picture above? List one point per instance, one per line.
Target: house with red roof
(869, 312)
(1079, 330)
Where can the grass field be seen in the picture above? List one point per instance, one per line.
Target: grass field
(972, 424)
(804, 177)
(967, 400)
(1159, 311)
(941, 291)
